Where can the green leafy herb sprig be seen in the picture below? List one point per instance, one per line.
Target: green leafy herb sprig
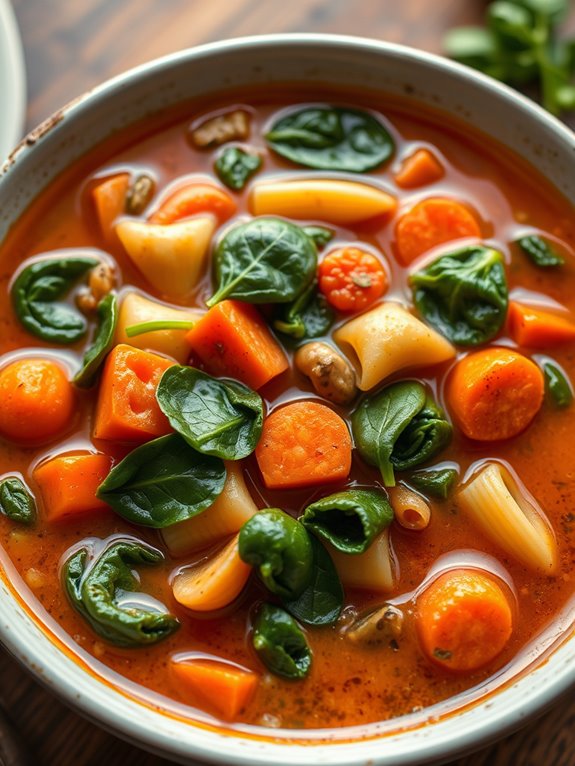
(520, 46)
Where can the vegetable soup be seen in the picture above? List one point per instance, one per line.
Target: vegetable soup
(286, 412)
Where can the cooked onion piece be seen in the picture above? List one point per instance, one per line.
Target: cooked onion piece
(372, 570)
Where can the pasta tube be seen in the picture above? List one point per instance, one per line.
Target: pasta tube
(373, 570)
(410, 509)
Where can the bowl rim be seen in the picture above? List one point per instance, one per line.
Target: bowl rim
(525, 704)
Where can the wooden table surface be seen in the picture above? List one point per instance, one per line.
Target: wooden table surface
(71, 45)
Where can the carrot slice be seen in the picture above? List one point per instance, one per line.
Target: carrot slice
(194, 198)
(537, 328)
(464, 620)
(431, 223)
(110, 198)
(213, 583)
(494, 393)
(351, 278)
(302, 444)
(127, 409)
(224, 688)
(68, 484)
(233, 340)
(420, 169)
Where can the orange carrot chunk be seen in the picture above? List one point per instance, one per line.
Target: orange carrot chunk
(494, 393)
(68, 484)
(192, 199)
(464, 620)
(537, 328)
(431, 223)
(224, 688)
(109, 199)
(419, 169)
(232, 340)
(303, 444)
(127, 409)
(37, 401)
(351, 279)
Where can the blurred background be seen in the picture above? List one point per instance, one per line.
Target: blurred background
(69, 47)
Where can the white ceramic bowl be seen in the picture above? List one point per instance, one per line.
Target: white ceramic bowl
(351, 63)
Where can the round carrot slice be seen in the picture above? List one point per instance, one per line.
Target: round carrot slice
(351, 279)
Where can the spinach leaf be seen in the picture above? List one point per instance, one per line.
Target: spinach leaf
(540, 252)
(235, 167)
(103, 342)
(557, 385)
(16, 501)
(463, 294)
(162, 482)
(309, 316)
(102, 591)
(426, 435)
(349, 520)
(400, 427)
(215, 417)
(280, 548)
(319, 235)
(266, 260)
(36, 293)
(437, 483)
(332, 138)
(322, 600)
(280, 643)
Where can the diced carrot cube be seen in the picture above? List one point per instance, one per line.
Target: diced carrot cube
(225, 688)
(419, 169)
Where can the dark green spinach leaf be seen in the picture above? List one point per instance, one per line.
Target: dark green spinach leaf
(16, 501)
(540, 252)
(280, 643)
(332, 138)
(322, 600)
(319, 235)
(36, 294)
(463, 294)
(267, 260)
(280, 548)
(424, 436)
(436, 483)
(162, 482)
(103, 342)
(235, 167)
(309, 316)
(349, 520)
(557, 385)
(102, 591)
(215, 417)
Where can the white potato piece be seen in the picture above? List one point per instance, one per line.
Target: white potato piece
(171, 257)
(373, 570)
(387, 339)
(232, 508)
(135, 309)
(322, 199)
(510, 517)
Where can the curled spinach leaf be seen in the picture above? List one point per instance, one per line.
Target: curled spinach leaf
(332, 138)
(400, 427)
(103, 342)
(36, 294)
(349, 520)
(321, 601)
(215, 418)
(267, 260)
(319, 235)
(235, 167)
(162, 482)
(540, 252)
(280, 548)
(463, 294)
(16, 501)
(280, 643)
(309, 316)
(557, 385)
(97, 590)
(437, 483)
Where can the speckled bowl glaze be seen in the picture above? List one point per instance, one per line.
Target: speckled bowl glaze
(349, 63)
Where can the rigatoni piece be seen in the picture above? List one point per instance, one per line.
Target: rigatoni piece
(410, 509)
(232, 508)
(510, 517)
(373, 570)
(388, 339)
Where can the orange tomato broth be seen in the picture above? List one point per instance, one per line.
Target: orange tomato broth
(348, 685)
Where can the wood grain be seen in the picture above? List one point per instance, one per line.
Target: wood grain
(72, 45)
